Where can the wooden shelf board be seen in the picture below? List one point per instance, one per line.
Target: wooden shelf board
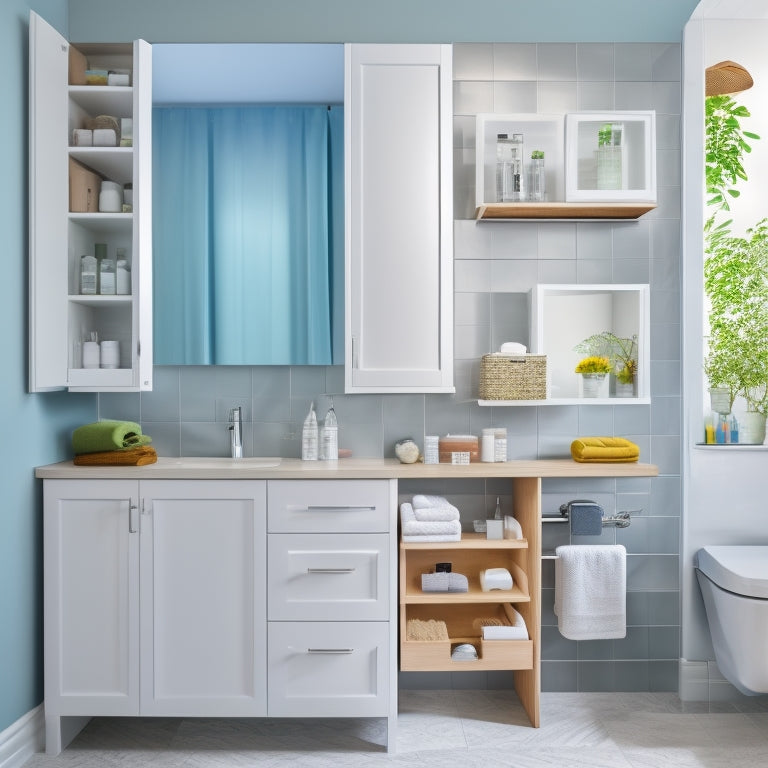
(562, 210)
(569, 401)
(468, 541)
(474, 595)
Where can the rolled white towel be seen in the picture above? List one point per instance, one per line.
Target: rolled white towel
(423, 501)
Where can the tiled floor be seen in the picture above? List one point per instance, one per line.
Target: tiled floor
(447, 729)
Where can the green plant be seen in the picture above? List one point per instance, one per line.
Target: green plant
(735, 268)
(594, 364)
(620, 351)
(736, 282)
(725, 147)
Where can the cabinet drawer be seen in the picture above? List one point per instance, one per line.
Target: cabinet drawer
(328, 576)
(328, 506)
(333, 669)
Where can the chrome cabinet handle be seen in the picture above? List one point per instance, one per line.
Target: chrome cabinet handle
(318, 508)
(330, 570)
(330, 650)
(131, 524)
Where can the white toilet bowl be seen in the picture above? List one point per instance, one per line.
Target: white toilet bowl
(734, 584)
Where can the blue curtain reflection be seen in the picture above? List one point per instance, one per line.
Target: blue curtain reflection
(247, 235)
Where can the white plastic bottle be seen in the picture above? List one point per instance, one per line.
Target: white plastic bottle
(309, 436)
(88, 275)
(329, 451)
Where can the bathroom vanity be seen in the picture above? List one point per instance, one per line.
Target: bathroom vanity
(260, 588)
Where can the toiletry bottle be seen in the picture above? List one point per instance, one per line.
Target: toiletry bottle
(500, 444)
(518, 168)
(309, 436)
(504, 170)
(734, 429)
(497, 513)
(709, 431)
(122, 273)
(330, 439)
(88, 275)
(719, 431)
(100, 249)
(107, 276)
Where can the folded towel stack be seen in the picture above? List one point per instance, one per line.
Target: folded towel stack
(604, 449)
(437, 523)
(112, 442)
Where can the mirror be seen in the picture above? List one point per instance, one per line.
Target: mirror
(211, 307)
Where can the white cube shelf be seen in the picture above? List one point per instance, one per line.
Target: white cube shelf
(540, 132)
(620, 172)
(562, 316)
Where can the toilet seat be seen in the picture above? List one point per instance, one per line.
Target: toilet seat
(742, 570)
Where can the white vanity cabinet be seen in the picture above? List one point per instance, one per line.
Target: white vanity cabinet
(65, 220)
(156, 595)
(399, 218)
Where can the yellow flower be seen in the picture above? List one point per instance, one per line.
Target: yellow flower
(594, 364)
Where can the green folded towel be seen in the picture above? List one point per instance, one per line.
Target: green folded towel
(108, 436)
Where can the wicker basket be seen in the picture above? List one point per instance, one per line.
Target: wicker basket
(513, 377)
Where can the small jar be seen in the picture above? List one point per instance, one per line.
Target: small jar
(487, 448)
(500, 444)
(431, 449)
(110, 197)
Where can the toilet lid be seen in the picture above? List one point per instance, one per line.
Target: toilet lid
(739, 569)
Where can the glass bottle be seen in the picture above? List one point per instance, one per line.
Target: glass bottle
(538, 184)
(609, 156)
(88, 275)
(107, 276)
(504, 169)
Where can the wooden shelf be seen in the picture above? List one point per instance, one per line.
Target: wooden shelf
(562, 211)
(468, 541)
(570, 401)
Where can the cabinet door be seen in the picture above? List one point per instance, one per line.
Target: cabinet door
(64, 226)
(399, 218)
(203, 598)
(91, 603)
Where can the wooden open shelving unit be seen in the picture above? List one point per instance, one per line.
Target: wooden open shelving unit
(459, 610)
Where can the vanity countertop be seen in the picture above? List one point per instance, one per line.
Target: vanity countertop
(262, 468)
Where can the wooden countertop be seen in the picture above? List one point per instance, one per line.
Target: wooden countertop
(204, 468)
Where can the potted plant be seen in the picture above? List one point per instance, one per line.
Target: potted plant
(593, 370)
(622, 356)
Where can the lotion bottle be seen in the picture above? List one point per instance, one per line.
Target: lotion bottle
(330, 447)
(309, 436)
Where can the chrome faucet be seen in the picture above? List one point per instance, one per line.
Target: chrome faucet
(236, 432)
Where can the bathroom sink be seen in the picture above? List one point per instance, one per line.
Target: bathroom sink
(218, 462)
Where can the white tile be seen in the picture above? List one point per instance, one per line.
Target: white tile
(473, 61)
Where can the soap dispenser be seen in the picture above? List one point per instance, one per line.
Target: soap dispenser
(309, 436)
(329, 443)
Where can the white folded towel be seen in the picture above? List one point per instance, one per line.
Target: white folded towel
(591, 591)
(436, 514)
(425, 530)
(425, 501)
(515, 631)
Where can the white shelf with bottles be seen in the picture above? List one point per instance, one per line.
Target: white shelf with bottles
(569, 163)
(68, 219)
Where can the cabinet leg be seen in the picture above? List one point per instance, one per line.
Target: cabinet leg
(392, 733)
(59, 731)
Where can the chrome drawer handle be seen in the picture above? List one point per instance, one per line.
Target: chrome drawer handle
(330, 650)
(318, 508)
(330, 570)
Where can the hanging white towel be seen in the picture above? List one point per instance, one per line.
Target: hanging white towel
(591, 591)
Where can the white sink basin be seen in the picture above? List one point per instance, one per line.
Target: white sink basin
(218, 462)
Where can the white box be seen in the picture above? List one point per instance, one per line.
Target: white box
(540, 132)
(636, 154)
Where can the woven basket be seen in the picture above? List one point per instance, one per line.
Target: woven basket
(513, 377)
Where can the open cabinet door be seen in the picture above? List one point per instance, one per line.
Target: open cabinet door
(48, 192)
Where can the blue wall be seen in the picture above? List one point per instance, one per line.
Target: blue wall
(37, 427)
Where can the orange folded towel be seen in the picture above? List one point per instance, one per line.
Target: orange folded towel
(604, 449)
(130, 457)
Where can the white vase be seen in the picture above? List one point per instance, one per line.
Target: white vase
(592, 383)
(752, 428)
(625, 390)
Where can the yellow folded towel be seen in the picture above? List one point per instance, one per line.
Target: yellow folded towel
(129, 457)
(604, 449)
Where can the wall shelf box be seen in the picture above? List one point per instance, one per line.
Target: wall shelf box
(562, 316)
(614, 173)
(540, 132)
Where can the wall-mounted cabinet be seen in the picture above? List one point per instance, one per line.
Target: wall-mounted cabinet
(582, 177)
(68, 219)
(399, 219)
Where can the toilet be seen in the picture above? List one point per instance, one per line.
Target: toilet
(734, 584)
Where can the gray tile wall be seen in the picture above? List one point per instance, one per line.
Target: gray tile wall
(495, 263)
